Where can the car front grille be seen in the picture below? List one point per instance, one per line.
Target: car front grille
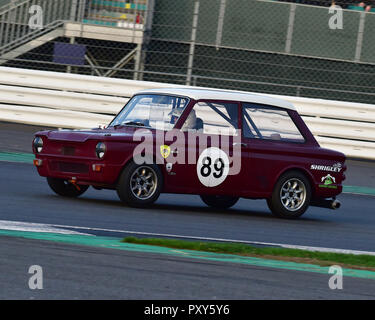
(68, 151)
(70, 167)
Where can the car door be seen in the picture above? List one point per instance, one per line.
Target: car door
(209, 130)
(270, 143)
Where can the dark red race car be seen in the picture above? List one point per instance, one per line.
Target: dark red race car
(221, 145)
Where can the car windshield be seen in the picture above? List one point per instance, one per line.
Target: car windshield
(151, 111)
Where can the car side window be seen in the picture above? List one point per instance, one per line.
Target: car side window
(213, 118)
(269, 123)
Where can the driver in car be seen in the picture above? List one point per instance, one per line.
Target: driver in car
(190, 122)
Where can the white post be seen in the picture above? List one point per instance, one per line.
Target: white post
(192, 43)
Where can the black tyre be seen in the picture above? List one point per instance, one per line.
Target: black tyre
(291, 195)
(220, 202)
(140, 185)
(65, 188)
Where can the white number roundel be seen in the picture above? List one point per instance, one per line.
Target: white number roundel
(212, 167)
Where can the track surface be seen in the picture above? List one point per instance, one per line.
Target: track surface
(26, 197)
(80, 272)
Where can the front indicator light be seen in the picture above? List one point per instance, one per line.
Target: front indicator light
(38, 162)
(97, 167)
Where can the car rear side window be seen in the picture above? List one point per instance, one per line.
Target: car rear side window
(269, 123)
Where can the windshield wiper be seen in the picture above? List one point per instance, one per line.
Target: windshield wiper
(134, 123)
(130, 123)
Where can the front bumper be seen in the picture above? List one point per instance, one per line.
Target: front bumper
(84, 171)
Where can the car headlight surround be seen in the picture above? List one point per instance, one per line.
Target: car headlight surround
(100, 150)
(38, 144)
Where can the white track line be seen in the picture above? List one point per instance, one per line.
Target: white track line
(56, 228)
(35, 227)
(289, 246)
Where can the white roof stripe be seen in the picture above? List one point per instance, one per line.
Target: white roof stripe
(215, 94)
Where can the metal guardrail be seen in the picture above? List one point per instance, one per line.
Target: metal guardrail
(51, 117)
(247, 45)
(80, 101)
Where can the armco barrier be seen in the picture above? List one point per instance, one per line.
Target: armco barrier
(79, 101)
(52, 117)
(61, 100)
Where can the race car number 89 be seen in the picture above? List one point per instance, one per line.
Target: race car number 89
(218, 167)
(212, 167)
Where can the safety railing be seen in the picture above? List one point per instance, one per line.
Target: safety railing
(80, 101)
(23, 21)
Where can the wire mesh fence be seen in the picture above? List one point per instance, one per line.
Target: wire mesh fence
(303, 48)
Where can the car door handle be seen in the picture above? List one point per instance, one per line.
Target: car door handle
(242, 144)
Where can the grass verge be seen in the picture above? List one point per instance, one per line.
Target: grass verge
(365, 262)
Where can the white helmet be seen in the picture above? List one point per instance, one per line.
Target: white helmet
(190, 121)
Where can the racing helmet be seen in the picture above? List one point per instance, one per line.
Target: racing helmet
(190, 122)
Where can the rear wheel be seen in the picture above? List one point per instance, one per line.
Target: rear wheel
(140, 185)
(220, 202)
(65, 188)
(291, 195)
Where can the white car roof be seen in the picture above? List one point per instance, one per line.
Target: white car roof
(216, 94)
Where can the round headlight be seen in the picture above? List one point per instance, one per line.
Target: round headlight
(100, 150)
(38, 144)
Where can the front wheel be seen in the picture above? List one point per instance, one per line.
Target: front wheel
(65, 188)
(219, 202)
(140, 185)
(291, 196)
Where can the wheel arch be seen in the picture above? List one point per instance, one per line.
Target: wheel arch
(157, 161)
(302, 170)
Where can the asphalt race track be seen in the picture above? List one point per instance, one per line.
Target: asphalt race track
(80, 272)
(75, 271)
(26, 197)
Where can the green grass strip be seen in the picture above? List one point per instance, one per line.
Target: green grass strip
(116, 243)
(17, 157)
(320, 258)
